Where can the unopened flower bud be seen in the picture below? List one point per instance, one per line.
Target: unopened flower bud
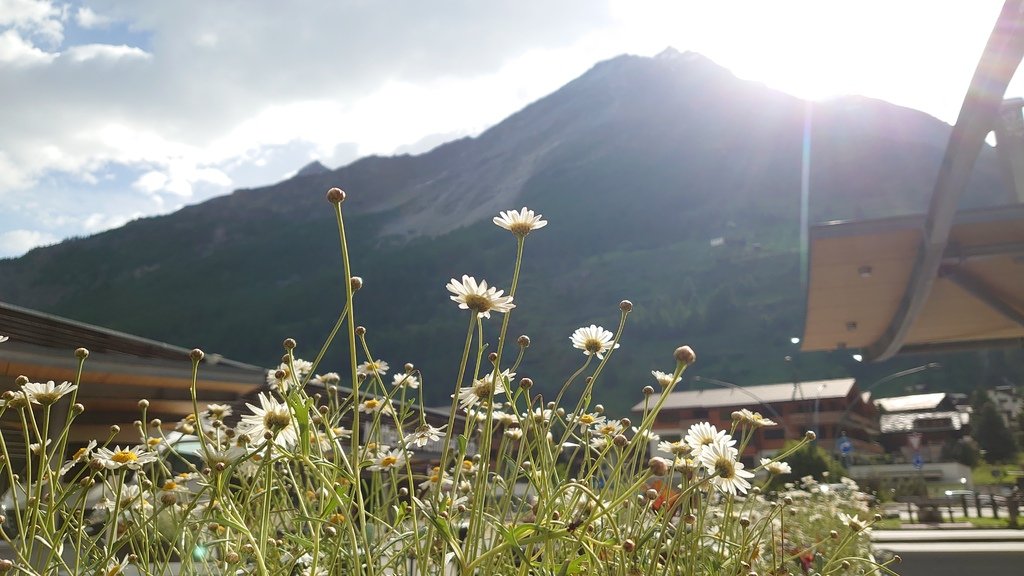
(196, 354)
(648, 390)
(626, 306)
(280, 374)
(628, 546)
(21, 380)
(599, 409)
(81, 353)
(77, 408)
(810, 435)
(143, 404)
(620, 440)
(626, 422)
(651, 494)
(232, 557)
(744, 521)
(690, 519)
(115, 429)
(896, 558)
(360, 330)
(335, 195)
(526, 383)
(685, 355)
(523, 341)
(659, 466)
(409, 367)
(492, 357)
(833, 535)
(289, 343)
(356, 282)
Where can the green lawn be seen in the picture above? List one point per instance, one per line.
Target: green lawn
(982, 474)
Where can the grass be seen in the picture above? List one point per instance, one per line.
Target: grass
(982, 474)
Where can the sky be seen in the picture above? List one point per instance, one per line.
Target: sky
(114, 110)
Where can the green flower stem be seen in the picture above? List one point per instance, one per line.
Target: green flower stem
(357, 481)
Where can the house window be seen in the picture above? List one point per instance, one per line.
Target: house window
(700, 412)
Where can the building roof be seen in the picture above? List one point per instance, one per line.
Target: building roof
(859, 272)
(121, 370)
(754, 395)
(33, 327)
(936, 282)
(914, 402)
(915, 421)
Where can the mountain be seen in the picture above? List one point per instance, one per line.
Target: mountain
(666, 181)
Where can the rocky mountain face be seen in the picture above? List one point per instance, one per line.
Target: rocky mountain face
(665, 180)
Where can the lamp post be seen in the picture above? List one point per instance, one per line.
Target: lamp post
(724, 384)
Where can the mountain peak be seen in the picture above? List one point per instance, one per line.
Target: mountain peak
(312, 169)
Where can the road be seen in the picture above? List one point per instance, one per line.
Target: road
(954, 552)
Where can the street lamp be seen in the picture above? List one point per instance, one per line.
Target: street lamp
(724, 384)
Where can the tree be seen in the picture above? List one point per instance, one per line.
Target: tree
(992, 434)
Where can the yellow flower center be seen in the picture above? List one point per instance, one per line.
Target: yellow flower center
(276, 420)
(478, 303)
(593, 345)
(124, 456)
(170, 485)
(388, 461)
(725, 468)
(587, 419)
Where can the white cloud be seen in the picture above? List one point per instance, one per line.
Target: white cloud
(85, 52)
(87, 18)
(17, 51)
(36, 17)
(17, 242)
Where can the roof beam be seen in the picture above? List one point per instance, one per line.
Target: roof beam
(977, 118)
(977, 288)
(959, 254)
(963, 346)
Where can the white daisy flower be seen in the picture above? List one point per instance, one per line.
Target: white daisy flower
(664, 379)
(328, 379)
(83, 454)
(677, 448)
(134, 458)
(388, 459)
(373, 405)
(600, 443)
(273, 417)
(484, 389)
(47, 393)
(609, 429)
(514, 433)
(703, 433)
(593, 340)
(479, 297)
(4, 338)
(372, 367)
(774, 467)
(719, 459)
(218, 411)
(590, 419)
(424, 434)
(853, 522)
(407, 380)
(752, 418)
(520, 222)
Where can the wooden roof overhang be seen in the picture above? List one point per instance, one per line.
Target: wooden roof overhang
(860, 272)
(121, 370)
(935, 282)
